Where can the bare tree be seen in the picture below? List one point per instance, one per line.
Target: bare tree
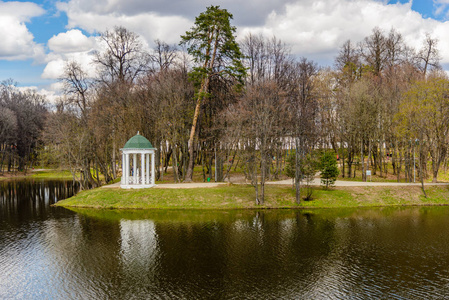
(374, 51)
(164, 55)
(348, 61)
(429, 55)
(304, 109)
(257, 120)
(8, 133)
(123, 59)
(26, 112)
(76, 86)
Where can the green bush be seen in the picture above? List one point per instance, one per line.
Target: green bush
(329, 169)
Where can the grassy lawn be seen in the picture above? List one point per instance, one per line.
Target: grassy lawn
(443, 174)
(40, 174)
(52, 174)
(243, 197)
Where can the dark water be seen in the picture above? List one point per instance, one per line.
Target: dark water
(54, 253)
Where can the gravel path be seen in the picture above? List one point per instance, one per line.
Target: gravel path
(316, 181)
(190, 185)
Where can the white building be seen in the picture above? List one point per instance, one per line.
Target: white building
(137, 156)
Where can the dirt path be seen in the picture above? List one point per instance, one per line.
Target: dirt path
(190, 185)
(315, 182)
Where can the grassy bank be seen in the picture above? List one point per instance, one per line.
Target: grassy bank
(52, 174)
(242, 197)
(38, 174)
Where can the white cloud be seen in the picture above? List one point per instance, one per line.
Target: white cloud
(72, 45)
(71, 41)
(148, 24)
(23, 11)
(440, 6)
(56, 63)
(249, 12)
(54, 69)
(317, 29)
(312, 28)
(17, 41)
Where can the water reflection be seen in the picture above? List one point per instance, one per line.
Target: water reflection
(25, 199)
(139, 251)
(395, 253)
(27, 225)
(330, 254)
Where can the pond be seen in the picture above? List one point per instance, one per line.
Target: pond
(56, 253)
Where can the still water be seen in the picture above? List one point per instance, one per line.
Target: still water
(55, 253)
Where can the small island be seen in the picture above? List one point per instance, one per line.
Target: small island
(240, 195)
(137, 189)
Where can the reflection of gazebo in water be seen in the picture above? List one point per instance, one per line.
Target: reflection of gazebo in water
(136, 173)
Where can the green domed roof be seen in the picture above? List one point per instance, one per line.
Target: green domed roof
(138, 142)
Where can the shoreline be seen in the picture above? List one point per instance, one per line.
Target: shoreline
(230, 197)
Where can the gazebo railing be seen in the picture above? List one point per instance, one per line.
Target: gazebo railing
(135, 181)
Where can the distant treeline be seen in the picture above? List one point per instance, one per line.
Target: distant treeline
(22, 118)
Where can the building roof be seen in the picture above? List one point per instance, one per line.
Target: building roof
(138, 142)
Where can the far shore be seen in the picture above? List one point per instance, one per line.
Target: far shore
(37, 174)
(224, 195)
(242, 196)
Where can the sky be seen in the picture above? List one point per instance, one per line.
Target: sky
(38, 37)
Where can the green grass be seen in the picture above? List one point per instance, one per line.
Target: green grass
(52, 174)
(243, 197)
(224, 197)
(44, 174)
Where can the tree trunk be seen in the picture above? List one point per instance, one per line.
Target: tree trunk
(298, 171)
(262, 179)
(175, 164)
(362, 160)
(421, 159)
(350, 160)
(254, 181)
(380, 158)
(114, 172)
(191, 143)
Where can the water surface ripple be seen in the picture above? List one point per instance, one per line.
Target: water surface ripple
(54, 253)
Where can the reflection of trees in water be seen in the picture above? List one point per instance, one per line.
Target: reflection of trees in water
(252, 254)
(258, 254)
(32, 197)
(247, 254)
(85, 258)
(271, 254)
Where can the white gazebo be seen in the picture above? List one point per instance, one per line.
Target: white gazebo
(136, 157)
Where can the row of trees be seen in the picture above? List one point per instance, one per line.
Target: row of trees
(214, 102)
(383, 90)
(22, 118)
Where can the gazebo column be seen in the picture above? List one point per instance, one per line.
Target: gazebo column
(123, 168)
(142, 167)
(134, 168)
(147, 178)
(152, 169)
(127, 168)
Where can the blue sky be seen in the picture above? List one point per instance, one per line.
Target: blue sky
(40, 36)
(426, 8)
